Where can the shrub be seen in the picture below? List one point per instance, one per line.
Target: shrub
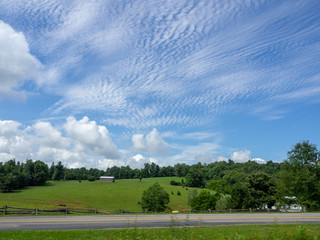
(174, 183)
(155, 198)
(204, 201)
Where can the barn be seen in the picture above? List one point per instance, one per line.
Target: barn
(107, 179)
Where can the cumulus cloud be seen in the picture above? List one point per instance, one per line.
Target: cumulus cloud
(88, 135)
(138, 161)
(244, 156)
(50, 136)
(259, 160)
(17, 65)
(80, 143)
(153, 143)
(241, 156)
(14, 142)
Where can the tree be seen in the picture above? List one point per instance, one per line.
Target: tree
(262, 190)
(219, 186)
(240, 197)
(41, 173)
(58, 173)
(204, 201)
(195, 177)
(155, 198)
(300, 175)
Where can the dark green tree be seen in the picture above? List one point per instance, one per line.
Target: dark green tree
(261, 187)
(155, 198)
(240, 197)
(58, 173)
(300, 176)
(196, 177)
(204, 201)
(41, 173)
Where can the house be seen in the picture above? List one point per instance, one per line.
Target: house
(291, 205)
(107, 179)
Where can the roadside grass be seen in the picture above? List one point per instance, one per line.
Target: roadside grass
(275, 231)
(123, 194)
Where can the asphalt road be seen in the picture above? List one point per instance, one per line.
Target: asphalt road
(168, 220)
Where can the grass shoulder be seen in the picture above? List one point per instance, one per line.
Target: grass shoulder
(275, 231)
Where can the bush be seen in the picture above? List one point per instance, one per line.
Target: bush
(174, 183)
(178, 193)
(91, 178)
(204, 201)
(155, 198)
(223, 203)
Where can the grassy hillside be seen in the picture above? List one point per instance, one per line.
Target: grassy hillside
(123, 194)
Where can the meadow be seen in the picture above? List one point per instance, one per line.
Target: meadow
(123, 194)
(275, 231)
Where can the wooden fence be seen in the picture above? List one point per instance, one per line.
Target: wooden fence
(17, 210)
(6, 210)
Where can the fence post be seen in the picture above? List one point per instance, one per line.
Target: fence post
(95, 210)
(122, 210)
(37, 211)
(4, 209)
(66, 210)
(250, 209)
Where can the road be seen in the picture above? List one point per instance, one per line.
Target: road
(168, 220)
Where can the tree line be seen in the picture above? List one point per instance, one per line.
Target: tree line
(249, 185)
(16, 175)
(233, 185)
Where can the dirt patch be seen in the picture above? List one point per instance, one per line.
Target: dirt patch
(67, 204)
(54, 202)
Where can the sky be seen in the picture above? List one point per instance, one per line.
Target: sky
(103, 83)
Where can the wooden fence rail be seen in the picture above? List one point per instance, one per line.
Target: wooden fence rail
(17, 210)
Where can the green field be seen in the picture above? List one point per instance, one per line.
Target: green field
(123, 194)
(303, 232)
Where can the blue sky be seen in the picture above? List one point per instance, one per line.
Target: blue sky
(103, 83)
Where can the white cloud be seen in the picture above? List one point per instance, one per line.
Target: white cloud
(259, 160)
(202, 152)
(50, 136)
(108, 163)
(241, 156)
(138, 161)
(17, 65)
(139, 144)
(83, 143)
(153, 143)
(87, 135)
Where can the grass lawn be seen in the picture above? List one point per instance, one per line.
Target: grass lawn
(303, 232)
(123, 194)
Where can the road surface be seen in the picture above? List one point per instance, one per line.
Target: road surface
(167, 220)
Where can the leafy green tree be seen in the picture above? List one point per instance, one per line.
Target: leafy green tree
(41, 173)
(196, 177)
(262, 190)
(181, 170)
(223, 203)
(8, 182)
(155, 198)
(300, 176)
(219, 186)
(58, 173)
(240, 197)
(204, 201)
